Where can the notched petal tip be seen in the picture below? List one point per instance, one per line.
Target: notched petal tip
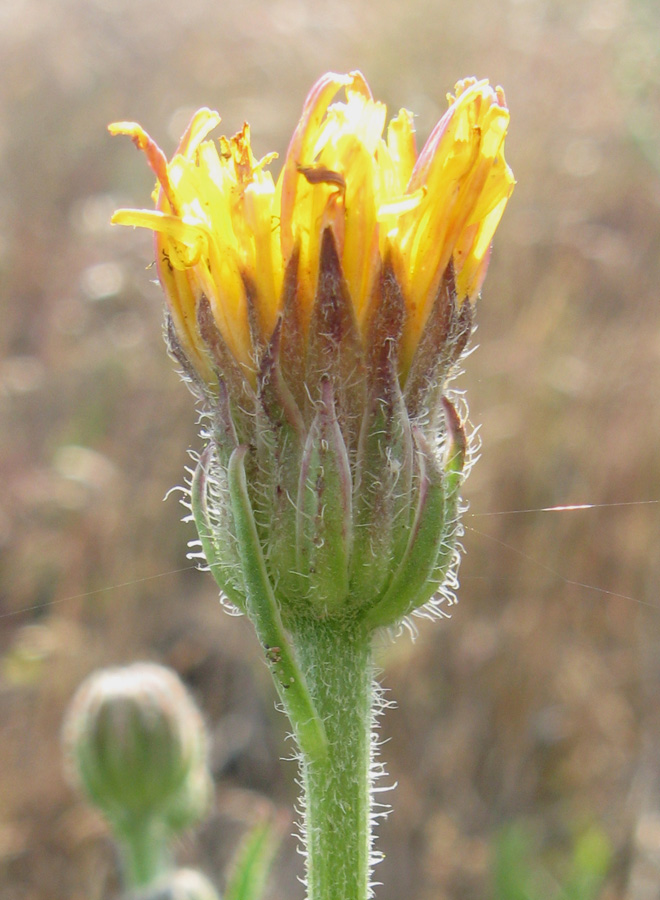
(155, 156)
(359, 83)
(131, 129)
(202, 122)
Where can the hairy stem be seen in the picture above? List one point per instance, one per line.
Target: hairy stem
(336, 660)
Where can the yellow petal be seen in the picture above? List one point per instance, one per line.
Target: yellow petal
(226, 231)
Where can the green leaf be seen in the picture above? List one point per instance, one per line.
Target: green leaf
(592, 858)
(252, 862)
(512, 876)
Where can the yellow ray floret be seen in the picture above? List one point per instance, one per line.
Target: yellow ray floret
(225, 230)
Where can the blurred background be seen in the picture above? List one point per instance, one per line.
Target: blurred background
(537, 707)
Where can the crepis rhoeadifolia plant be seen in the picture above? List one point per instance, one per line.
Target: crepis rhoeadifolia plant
(318, 319)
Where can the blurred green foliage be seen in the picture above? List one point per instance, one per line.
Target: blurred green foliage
(252, 862)
(520, 872)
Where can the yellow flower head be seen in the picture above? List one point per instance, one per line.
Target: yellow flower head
(230, 237)
(319, 318)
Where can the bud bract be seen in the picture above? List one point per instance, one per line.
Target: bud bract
(192, 802)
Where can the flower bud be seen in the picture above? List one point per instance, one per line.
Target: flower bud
(136, 744)
(182, 884)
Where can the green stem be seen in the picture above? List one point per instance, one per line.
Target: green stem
(336, 659)
(144, 851)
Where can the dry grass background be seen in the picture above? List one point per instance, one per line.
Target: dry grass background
(538, 701)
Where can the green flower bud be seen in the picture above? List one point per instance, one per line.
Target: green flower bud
(182, 884)
(136, 745)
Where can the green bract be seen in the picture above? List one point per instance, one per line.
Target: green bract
(352, 481)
